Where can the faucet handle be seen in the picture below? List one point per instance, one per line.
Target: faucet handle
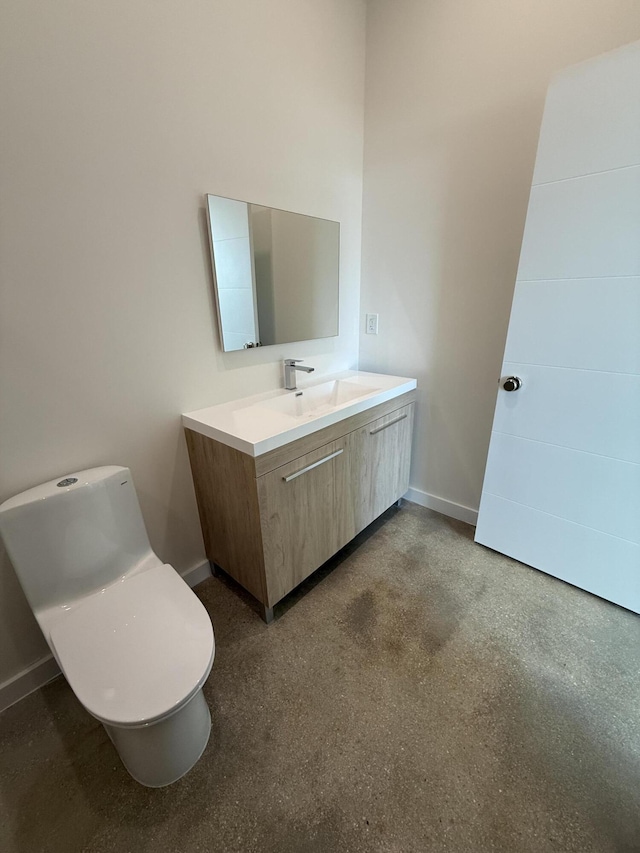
(291, 361)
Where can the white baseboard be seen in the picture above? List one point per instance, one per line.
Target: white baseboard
(25, 682)
(450, 508)
(46, 669)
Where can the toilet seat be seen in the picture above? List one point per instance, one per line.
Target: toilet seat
(137, 650)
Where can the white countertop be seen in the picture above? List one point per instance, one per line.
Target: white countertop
(263, 422)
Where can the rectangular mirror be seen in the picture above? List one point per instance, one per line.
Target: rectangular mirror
(275, 274)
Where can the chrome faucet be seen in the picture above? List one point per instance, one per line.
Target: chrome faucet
(290, 367)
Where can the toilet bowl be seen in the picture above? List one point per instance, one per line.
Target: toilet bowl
(134, 642)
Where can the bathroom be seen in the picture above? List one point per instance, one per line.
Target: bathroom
(415, 125)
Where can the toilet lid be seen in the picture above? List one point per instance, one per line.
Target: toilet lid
(135, 651)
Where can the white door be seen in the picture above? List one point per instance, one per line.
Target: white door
(562, 485)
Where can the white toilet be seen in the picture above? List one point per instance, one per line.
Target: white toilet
(133, 641)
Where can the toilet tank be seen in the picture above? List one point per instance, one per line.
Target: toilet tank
(74, 535)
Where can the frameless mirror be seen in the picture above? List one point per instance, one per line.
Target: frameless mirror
(275, 274)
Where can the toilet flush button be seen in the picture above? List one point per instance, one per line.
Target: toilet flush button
(68, 481)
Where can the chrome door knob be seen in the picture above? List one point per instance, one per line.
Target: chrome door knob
(512, 383)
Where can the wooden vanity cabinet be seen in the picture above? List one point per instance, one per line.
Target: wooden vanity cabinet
(306, 514)
(382, 458)
(272, 520)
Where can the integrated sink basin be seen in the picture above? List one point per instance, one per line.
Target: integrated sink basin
(317, 399)
(258, 424)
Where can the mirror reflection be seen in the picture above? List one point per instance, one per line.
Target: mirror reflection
(275, 274)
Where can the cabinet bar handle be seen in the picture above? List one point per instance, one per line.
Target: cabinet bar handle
(385, 426)
(314, 465)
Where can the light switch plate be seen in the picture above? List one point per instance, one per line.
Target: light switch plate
(372, 324)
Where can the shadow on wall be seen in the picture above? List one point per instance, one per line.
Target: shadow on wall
(20, 636)
(478, 249)
(174, 513)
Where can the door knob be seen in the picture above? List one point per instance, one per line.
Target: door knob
(512, 383)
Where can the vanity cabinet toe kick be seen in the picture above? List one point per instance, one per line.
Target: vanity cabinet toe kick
(270, 521)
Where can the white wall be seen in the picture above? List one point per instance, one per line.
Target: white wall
(455, 91)
(117, 118)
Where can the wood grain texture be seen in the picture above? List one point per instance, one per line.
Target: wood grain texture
(306, 520)
(281, 455)
(384, 459)
(269, 534)
(225, 486)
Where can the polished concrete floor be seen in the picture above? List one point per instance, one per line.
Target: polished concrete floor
(424, 694)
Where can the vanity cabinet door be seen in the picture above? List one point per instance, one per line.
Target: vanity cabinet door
(306, 514)
(383, 452)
